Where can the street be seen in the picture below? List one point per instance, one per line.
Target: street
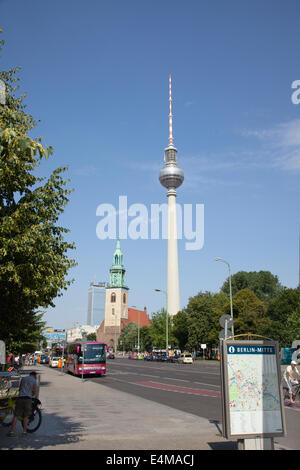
(139, 406)
(192, 388)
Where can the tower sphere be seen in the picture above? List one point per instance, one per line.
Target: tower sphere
(171, 176)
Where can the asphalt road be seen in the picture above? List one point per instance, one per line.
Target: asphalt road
(193, 388)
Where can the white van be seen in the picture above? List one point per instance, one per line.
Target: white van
(53, 362)
(186, 358)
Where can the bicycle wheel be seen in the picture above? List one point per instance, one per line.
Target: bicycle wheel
(297, 394)
(34, 421)
(7, 418)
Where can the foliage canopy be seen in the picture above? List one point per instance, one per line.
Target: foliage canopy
(33, 252)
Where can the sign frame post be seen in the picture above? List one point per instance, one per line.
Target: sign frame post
(255, 421)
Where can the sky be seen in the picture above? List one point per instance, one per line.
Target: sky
(96, 76)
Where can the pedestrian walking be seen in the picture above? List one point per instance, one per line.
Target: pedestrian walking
(23, 409)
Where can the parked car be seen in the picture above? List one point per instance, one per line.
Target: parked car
(186, 358)
(44, 359)
(110, 355)
(148, 357)
(173, 359)
(132, 356)
(162, 358)
(53, 362)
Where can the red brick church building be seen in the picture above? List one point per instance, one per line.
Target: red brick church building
(117, 313)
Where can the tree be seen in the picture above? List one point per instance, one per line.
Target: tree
(128, 338)
(203, 313)
(180, 329)
(263, 283)
(249, 314)
(158, 330)
(292, 328)
(91, 337)
(33, 253)
(145, 339)
(283, 311)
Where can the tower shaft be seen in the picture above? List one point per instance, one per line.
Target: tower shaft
(171, 177)
(173, 297)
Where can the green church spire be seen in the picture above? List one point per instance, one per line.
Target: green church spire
(117, 271)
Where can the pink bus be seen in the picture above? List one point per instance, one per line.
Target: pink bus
(94, 358)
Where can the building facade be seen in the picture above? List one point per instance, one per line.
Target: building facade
(75, 333)
(117, 313)
(96, 303)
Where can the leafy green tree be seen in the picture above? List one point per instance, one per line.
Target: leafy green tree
(249, 314)
(128, 338)
(91, 337)
(180, 329)
(34, 259)
(283, 311)
(263, 283)
(30, 338)
(292, 327)
(158, 330)
(203, 313)
(145, 339)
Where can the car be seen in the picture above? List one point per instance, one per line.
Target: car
(53, 362)
(110, 356)
(44, 359)
(162, 358)
(173, 359)
(185, 358)
(132, 356)
(148, 357)
(140, 356)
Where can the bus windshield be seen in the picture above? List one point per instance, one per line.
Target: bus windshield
(94, 354)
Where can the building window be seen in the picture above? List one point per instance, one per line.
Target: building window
(113, 297)
(113, 311)
(124, 298)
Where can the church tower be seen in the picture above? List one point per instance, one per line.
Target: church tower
(116, 303)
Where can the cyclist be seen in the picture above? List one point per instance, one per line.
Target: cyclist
(27, 390)
(290, 378)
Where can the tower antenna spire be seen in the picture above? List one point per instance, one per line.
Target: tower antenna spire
(170, 112)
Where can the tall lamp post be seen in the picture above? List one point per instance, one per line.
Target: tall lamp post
(230, 292)
(167, 320)
(134, 306)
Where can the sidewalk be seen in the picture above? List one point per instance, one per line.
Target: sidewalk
(82, 415)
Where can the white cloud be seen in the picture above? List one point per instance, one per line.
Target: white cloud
(281, 143)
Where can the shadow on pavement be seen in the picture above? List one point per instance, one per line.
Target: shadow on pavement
(223, 445)
(66, 432)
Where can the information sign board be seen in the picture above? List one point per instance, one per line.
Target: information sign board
(55, 336)
(252, 397)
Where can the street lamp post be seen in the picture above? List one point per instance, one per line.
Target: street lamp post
(115, 341)
(230, 292)
(167, 321)
(134, 306)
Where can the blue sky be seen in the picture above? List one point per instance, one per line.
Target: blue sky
(96, 76)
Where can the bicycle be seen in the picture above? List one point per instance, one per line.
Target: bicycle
(295, 391)
(7, 408)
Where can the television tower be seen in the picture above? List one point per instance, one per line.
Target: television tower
(171, 177)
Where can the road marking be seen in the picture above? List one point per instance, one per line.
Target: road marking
(177, 380)
(174, 388)
(210, 385)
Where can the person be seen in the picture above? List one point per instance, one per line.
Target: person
(27, 391)
(290, 378)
